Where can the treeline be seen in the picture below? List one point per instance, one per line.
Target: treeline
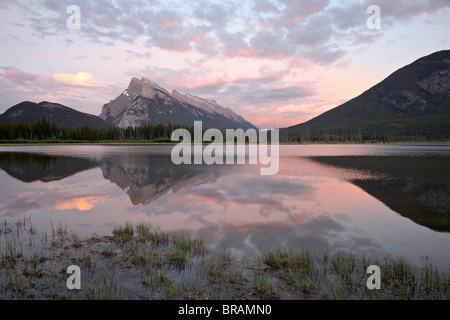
(45, 130)
(421, 129)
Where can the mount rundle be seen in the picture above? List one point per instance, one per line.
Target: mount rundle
(146, 103)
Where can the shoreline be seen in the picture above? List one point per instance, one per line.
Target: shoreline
(142, 262)
(149, 143)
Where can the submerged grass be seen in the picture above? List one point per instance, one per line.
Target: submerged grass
(157, 237)
(284, 260)
(103, 287)
(142, 262)
(190, 245)
(123, 234)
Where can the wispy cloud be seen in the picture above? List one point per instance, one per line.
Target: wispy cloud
(16, 75)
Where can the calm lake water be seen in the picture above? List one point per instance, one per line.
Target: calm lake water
(366, 199)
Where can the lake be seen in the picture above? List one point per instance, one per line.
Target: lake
(366, 199)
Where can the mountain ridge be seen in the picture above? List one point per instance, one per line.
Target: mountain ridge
(144, 102)
(63, 116)
(419, 89)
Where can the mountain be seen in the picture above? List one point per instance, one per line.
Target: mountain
(413, 101)
(62, 116)
(146, 103)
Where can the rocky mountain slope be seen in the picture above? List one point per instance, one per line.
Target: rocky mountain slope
(146, 103)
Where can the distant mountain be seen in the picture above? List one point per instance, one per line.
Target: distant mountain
(413, 101)
(62, 116)
(146, 103)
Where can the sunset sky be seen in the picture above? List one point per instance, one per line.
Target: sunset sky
(276, 62)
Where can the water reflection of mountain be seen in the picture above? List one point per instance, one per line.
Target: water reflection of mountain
(145, 178)
(415, 187)
(30, 167)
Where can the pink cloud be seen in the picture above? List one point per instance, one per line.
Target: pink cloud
(81, 79)
(207, 82)
(256, 53)
(166, 23)
(176, 46)
(177, 81)
(17, 75)
(265, 26)
(301, 63)
(196, 37)
(267, 78)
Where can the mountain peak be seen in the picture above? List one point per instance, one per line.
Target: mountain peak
(144, 87)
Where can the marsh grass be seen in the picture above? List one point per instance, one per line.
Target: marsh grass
(108, 252)
(283, 260)
(262, 283)
(123, 234)
(215, 270)
(103, 287)
(194, 246)
(177, 257)
(434, 283)
(148, 259)
(142, 262)
(155, 236)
